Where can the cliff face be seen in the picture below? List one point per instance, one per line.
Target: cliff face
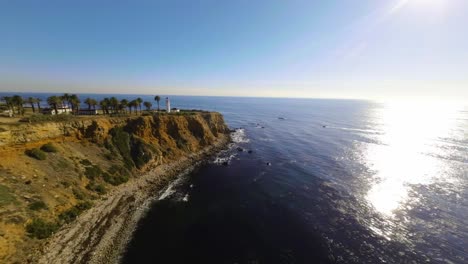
(86, 158)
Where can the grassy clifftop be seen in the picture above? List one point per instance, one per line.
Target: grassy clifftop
(50, 172)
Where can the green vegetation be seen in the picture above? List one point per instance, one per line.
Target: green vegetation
(36, 153)
(98, 188)
(148, 106)
(78, 194)
(109, 106)
(86, 162)
(49, 147)
(134, 151)
(116, 175)
(93, 172)
(41, 229)
(71, 214)
(157, 98)
(37, 205)
(36, 118)
(6, 197)
(62, 164)
(121, 140)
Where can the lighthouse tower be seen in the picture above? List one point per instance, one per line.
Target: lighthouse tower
(168, 105)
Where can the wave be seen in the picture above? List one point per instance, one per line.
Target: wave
(239, 136)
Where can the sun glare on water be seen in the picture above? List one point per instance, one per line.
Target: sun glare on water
(408, 151)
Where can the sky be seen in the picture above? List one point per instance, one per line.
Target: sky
(373, 49)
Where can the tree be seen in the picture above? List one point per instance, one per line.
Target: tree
(114, 103)
(134, 104)
(123, 104)
(38, 102)
(18, 102)
(138, 102)
(54, 101)
(9, 102)
(66, 99)
(91, 103)
(157, 98)
(32, 101)
(75, 103)
(104, 104)
(148, 106)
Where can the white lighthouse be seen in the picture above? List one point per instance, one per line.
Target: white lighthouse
(168, 105)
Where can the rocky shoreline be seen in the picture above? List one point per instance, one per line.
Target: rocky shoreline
(101, 234)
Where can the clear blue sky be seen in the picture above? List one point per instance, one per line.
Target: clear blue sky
(347, 49)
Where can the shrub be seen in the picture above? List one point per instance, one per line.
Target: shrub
(36, 153)
(49, 147)
(72, 213)
(141, 153)
(93, 172)
(78, 194)
(6, 196)
(45, 118)
(37, 205)
(86, 162)
(98, 188)
(121, 140)
(41, 229)
(115, 179)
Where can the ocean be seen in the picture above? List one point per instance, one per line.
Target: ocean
(317, 181)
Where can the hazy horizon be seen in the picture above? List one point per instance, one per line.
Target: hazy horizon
(395, 49)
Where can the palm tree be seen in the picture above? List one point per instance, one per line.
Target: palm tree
(75, 103)
(66, 99)
(38, 102)
(124, 104)
(18, 102)
(32, 101)
(114, 103)
(133, 104)
(104, 104)
(157, 98)
(9, 102)
(91, 103)
(53, 101)
(139, 101)
(148, 106)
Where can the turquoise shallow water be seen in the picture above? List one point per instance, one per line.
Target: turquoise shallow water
(349, 182)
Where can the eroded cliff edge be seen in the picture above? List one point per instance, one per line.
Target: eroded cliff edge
(112, 165)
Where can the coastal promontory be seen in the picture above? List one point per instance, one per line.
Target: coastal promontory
(72, 190)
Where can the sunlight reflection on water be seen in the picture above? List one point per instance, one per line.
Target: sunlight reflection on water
(409, 151)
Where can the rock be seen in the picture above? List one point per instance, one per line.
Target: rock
(27, 182)
(268, 163)
(240, 149)
(250, 151)
(225, 163)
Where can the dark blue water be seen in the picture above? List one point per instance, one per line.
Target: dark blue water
(349, 182)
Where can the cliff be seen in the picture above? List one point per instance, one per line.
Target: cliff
(69, 189)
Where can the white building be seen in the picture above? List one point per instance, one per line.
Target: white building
(168, 105)
(61, 109)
